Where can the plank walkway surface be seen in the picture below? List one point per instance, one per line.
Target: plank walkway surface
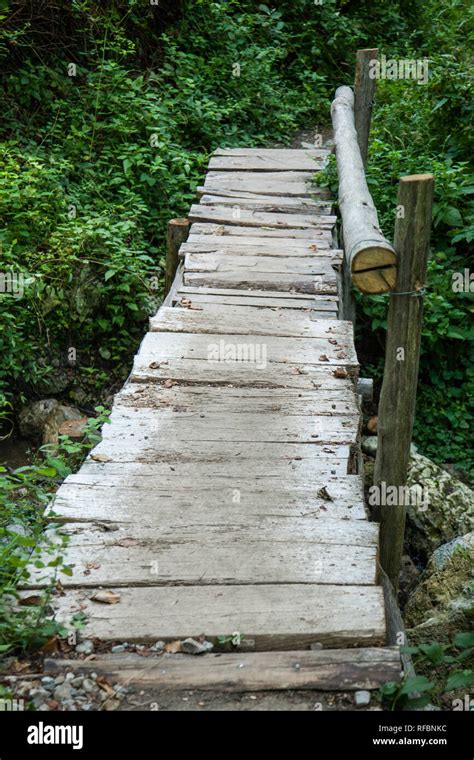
(225, 495)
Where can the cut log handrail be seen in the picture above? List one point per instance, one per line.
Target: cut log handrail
(369, 256)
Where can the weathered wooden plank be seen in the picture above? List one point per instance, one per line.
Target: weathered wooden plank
(327, 670)
(231, 230)
(337, 344)
(242, 266)
(127, 441)
(275, 616)
(269, 203)
(196, 302)
(249, 218)
(165, 528)
(298, 479)
(256, 184)
(227, 320)
(272, 152)
(214, 350)
(395, 624)
(289, 183)
(269, 160)
(303, 299)
(188, 371)
(300, 283)
(246, 523)
(255, 189)
(134, 437)
(106, 495)
(170, 528)
(232, 246)
(209, 555)
(229, 400)
(251, 189)
(215, 464)
(73, 507)
(232, 262)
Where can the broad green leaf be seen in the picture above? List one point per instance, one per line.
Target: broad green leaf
(417, 683)
(460, 679)
(464, 640)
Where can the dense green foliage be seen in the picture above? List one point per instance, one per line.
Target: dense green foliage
(110, 112)
(428, 128)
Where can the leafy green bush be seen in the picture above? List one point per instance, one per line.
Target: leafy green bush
(408, 139)
(94, 166)
(100, 156)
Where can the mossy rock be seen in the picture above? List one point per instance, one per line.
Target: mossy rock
(443, 602)
(447, 510)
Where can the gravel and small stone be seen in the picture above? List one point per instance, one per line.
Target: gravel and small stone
(69, 692)
(72, 692)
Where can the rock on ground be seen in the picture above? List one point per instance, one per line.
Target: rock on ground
(191, 646)
(449, 510)
(42, 419)
(362, 698)
(446, 510)
(85, 647)
(443, 602)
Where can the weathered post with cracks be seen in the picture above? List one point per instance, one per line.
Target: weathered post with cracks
(402, 353)
(178, 230)
(364, 91)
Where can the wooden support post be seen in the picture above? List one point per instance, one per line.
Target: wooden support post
(398, 395)
(364, 90)
(178, 230)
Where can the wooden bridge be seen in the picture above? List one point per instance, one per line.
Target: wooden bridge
(226, 498)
